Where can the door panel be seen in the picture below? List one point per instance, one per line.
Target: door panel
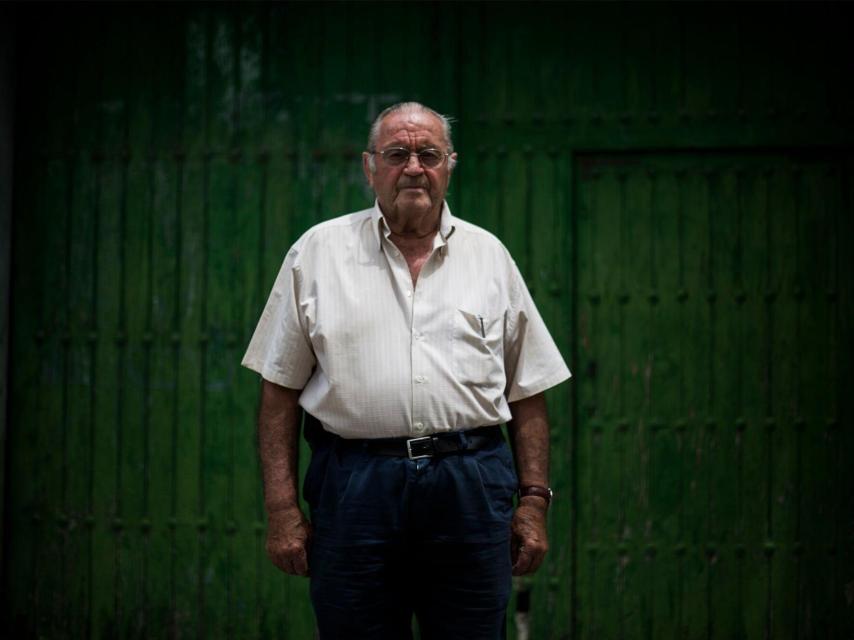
(709, 329)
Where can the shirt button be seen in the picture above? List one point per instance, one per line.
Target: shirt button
(408, 294)
(420, 378)
(418, 427)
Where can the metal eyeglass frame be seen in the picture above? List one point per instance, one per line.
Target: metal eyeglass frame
(445, 155)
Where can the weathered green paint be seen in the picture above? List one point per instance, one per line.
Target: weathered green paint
(675, 183)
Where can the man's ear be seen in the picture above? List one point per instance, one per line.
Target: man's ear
(452, 161)
(366, 167)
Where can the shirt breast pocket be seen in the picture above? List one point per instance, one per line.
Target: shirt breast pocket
(478, 348)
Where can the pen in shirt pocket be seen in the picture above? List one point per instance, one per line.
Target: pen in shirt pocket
(482, 330)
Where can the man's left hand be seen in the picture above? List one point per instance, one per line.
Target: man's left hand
(529, 540)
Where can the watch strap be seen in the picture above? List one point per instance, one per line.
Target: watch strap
(536, 490)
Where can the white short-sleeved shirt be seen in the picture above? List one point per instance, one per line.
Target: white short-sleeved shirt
(376, 357)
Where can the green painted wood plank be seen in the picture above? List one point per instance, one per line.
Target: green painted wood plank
(49, 569)
(466, 179)
(79, 388)
(162, 316)
(639, 63)
(844, 434)
(541, 258)
(401, 76)
(514, 208)
(838, 255)
(489, 165)
(726, 529)
(279, 97)
(713, 76)
(111, 184)
(190, 380)
(217, 545)
(559, 287)
(694, 596)
(106, 409)
(334, 99)
(134, 497)
(478, 101)
(443, 42)
(665, 463)
(26, 339)
(607, 76)
(164, 310)
(680, 417)
(334, 104)
(139, 572)
(303, 32)
(253, 67)
(254, 608)
(218, 404)
(81, 375)
(609, 212)
(522, 81)
(581, 45)
(638, 315)
(191, 221)
(246, 252)
(817, 503)
(784, 525)
(754, 492)
(665, 69)
(584, 206)
(359, 81)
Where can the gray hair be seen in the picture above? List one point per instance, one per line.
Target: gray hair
(408, 107)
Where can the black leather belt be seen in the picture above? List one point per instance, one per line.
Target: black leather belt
(427, 446)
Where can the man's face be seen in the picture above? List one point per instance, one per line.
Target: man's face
(409, 189)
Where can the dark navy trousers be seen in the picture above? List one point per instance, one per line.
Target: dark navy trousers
(395, 537)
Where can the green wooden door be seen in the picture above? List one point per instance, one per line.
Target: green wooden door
(673, 181)
(713, 328)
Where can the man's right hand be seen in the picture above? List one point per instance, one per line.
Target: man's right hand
(288, 539)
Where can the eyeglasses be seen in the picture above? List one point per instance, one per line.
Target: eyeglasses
(397, 156)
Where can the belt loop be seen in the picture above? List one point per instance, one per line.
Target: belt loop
(464, 440)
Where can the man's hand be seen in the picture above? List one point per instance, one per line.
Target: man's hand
(529, 542)
(288, 539)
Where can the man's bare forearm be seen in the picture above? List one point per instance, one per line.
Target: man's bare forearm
(529, 436)
(278, 445)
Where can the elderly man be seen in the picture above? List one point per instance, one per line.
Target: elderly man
(408, 337)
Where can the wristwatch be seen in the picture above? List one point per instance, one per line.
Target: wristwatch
(536, 490)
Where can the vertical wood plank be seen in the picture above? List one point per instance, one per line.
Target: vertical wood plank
(784, 472)
(218, 414)
(190, 214)
(246, 253)
(666, 461)
(24, 508)
(692, 548)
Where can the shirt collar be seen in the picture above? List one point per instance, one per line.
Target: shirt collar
(446, 226)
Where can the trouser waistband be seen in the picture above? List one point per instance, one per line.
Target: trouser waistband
(426, 446)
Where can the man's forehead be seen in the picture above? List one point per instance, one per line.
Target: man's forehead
(419, 124)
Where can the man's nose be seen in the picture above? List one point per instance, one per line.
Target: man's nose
(413, 164)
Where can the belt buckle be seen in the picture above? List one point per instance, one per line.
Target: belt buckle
(418, 448)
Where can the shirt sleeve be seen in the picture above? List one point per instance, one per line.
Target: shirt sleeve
(280, 349)
(532, 361)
